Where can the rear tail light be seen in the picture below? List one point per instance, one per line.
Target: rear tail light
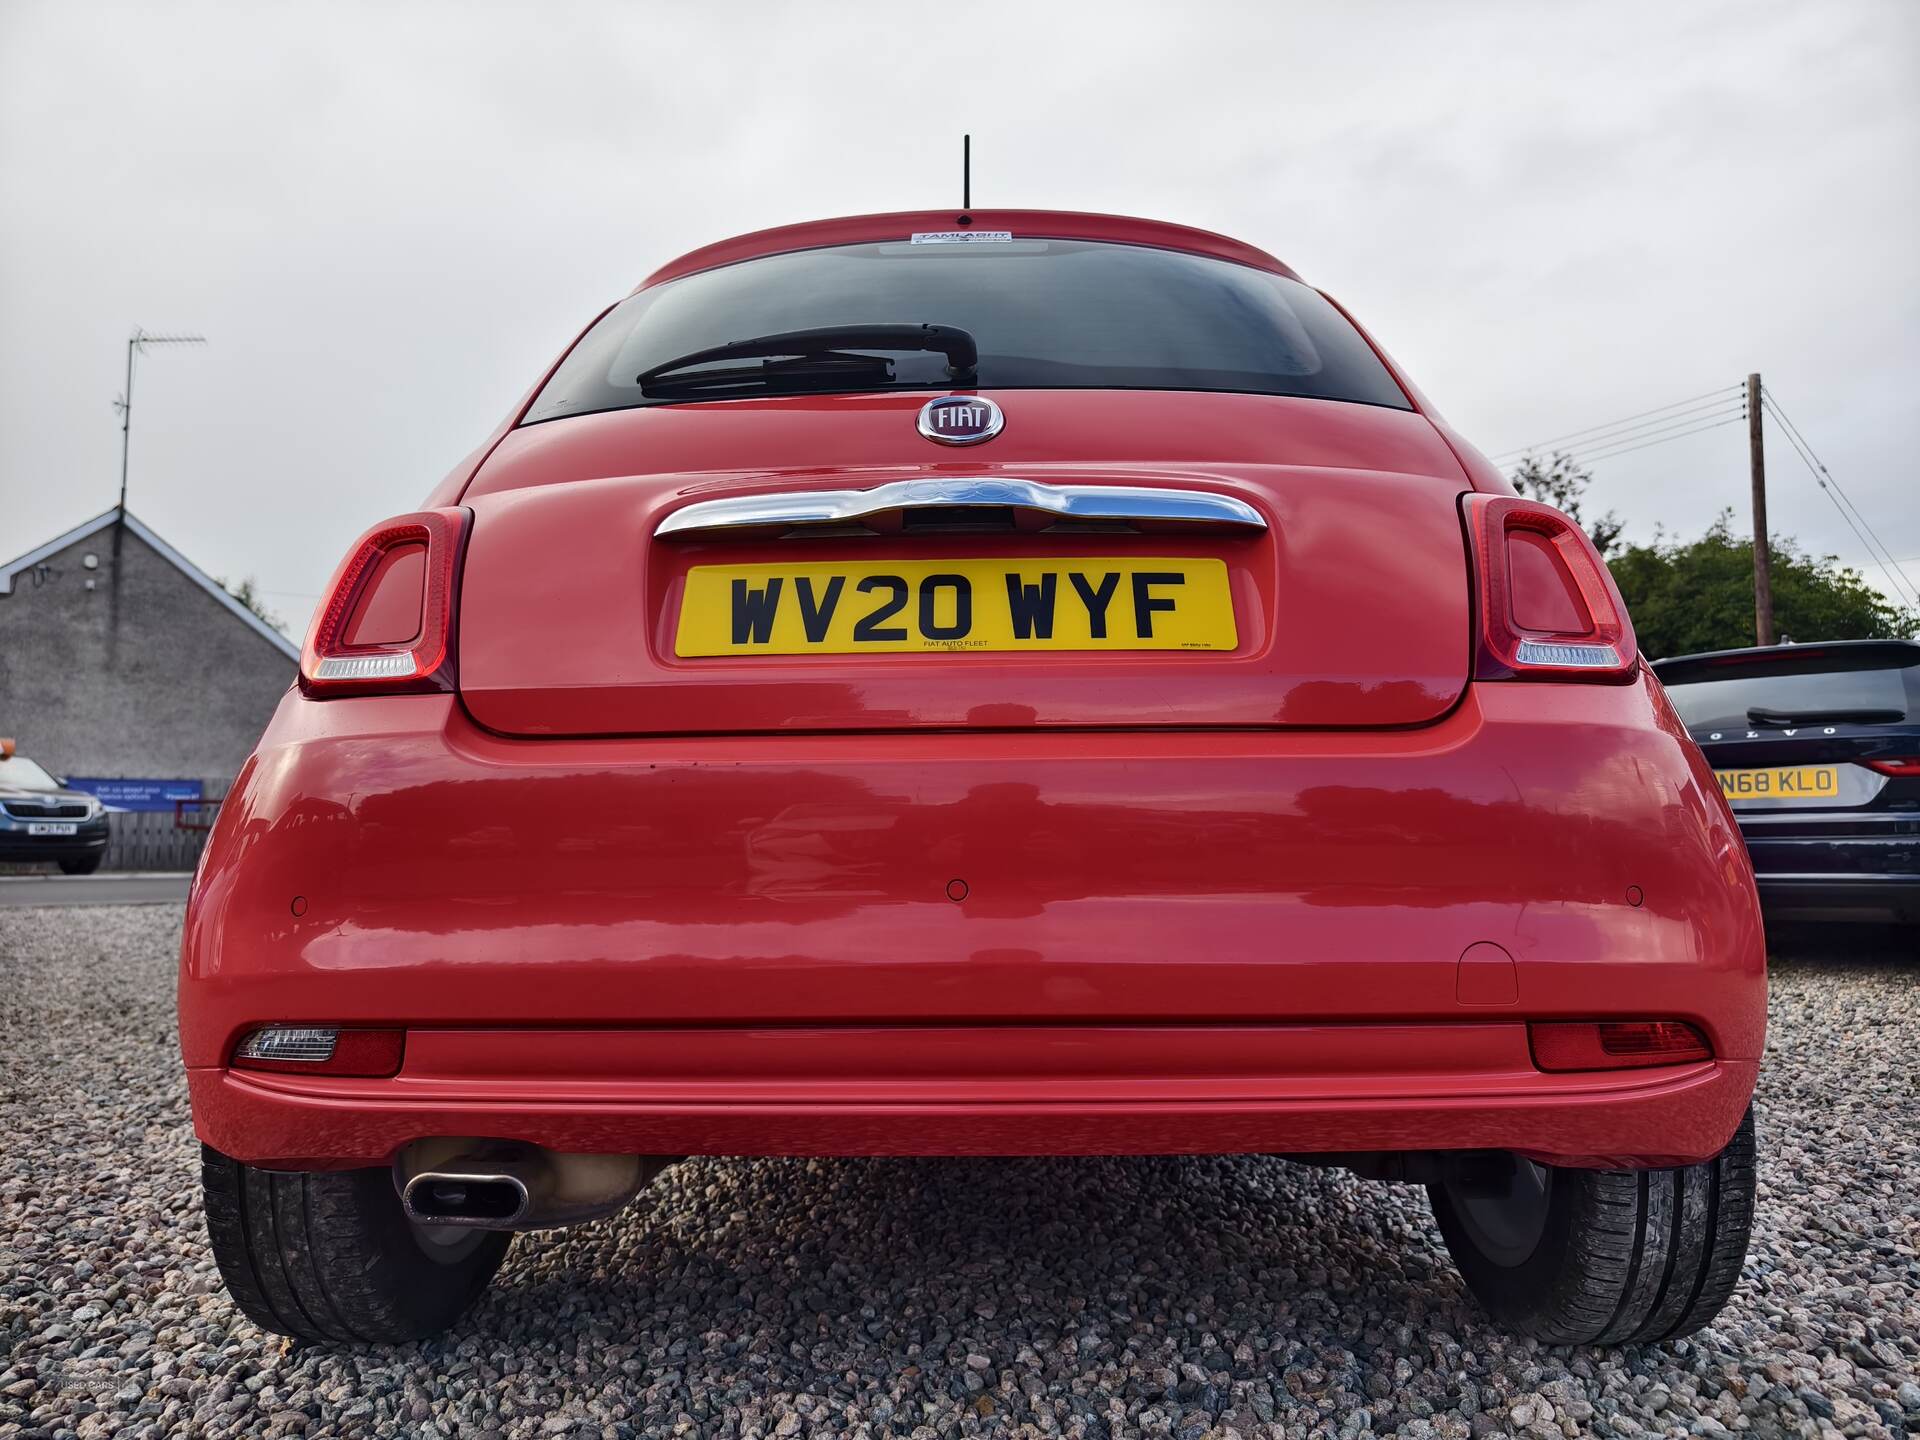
(321, 1050)
(1615, 1044)
(1901, 765)
(1548, 608)
(386, 624)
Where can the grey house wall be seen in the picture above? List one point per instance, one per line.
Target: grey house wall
(157, 681)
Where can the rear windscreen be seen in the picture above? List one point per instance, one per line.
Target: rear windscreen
(1722, 704)
(1046, 314)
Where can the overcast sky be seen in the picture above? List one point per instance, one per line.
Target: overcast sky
(387, 219)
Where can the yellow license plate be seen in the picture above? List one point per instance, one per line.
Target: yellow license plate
(1151, 603)
(1783, 782)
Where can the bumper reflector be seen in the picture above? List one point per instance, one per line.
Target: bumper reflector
(1615, 1044)
(319, 1050)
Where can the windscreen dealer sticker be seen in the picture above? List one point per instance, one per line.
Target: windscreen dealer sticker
(963, 237)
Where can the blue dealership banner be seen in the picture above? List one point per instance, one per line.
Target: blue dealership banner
(137, 794)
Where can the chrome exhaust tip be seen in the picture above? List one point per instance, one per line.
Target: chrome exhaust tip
(482, 1184)
(483, 1199)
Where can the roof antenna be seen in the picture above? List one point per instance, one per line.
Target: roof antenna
(966, 172)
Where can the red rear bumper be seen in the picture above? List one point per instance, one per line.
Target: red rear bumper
(983, 1091)
(1165, 942)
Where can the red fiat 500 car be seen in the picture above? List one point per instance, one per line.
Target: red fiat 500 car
(1007, 683)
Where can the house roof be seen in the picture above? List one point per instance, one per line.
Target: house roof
(180, 562)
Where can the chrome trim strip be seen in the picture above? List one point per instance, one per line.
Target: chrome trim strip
(1068, 502)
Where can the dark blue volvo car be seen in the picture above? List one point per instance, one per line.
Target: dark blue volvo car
(1817, 748)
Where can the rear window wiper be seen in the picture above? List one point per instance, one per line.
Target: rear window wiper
(816, 351)
(1761, 715)
(828, 369)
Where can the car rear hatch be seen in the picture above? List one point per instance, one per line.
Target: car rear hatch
(1142, 559)
(1817, 749)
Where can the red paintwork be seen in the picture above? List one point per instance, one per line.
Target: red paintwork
(455, 879)
(1272, 913)
(723, 445)
(1329, 601)
(1083, 1091)
(899, 224)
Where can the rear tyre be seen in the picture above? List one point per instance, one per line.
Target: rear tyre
(331, 1256)
(1605, 1257)
(85, 865)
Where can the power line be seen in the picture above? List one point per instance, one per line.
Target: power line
(1876, 547)
(1713, 410)
(1606, 449)
(1843, 502)
(1647, 429)
(1876, 554)
(1727, 405)
(1672, 430)
(1590, 434)
(1900, 593)
(1595, 459)
(1719, 396)
(1780, 415)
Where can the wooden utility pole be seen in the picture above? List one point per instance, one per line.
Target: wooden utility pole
(1762, 573)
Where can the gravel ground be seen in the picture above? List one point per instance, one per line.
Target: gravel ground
(932, 1298)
